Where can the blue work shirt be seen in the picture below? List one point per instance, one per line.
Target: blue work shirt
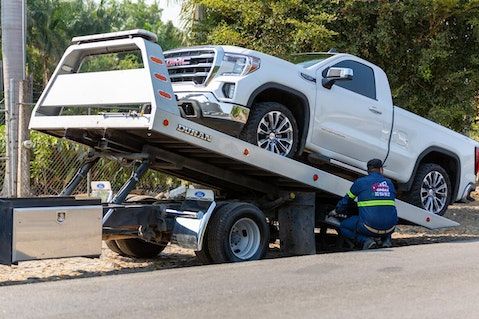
(376, 195)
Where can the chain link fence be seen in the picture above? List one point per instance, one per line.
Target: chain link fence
(55, 161)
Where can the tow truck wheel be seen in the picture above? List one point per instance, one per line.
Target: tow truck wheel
(431, 189)
(204, 255)
(237, 232)
(272, 127)
(113, 246)
(137, 248)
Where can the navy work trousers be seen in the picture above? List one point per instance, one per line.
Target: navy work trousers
(353, 228)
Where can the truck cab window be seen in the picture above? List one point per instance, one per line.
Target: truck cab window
(363, 81)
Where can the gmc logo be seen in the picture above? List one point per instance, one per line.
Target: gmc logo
(177, 62)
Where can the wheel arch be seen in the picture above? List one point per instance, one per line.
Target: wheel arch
(295, 101)
(444, 158)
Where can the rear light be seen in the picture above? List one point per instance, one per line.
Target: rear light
(476, 161)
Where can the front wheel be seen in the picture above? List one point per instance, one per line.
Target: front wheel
(431, 189)
(272, 127)
(237, 232)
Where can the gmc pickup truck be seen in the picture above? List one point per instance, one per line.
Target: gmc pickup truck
(334, 108)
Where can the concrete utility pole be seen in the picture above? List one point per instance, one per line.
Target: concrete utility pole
(13, 51)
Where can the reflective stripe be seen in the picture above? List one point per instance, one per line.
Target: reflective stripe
(379, 232)
(376, 202)
(351, 195)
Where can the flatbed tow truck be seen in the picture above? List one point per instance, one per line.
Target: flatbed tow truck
(248, 192)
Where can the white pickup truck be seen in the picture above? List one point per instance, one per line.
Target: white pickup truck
(333, 108)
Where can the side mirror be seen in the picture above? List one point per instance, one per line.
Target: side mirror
(336, 74)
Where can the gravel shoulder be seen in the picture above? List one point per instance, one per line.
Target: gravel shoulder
(173, 256)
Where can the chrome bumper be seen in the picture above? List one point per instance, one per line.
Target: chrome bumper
(205, 108)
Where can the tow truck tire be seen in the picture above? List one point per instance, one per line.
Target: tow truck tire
(137, 248)
(431, 178)
(113, 246)
(284, 129)
(237, 232)
(204, 255)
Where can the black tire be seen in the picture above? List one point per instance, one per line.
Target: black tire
(113, 246)
(204, 255)
(221, 225)
(137, 248)
(414, 195)
(260, 110)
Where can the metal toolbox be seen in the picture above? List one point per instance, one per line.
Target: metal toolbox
(51, 227)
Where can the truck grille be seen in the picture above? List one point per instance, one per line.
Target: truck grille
(189, 65)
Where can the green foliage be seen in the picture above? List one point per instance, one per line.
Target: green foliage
(429, 49)
(52, 24)
(276, 27)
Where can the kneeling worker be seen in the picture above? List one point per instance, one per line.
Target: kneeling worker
(376, 211)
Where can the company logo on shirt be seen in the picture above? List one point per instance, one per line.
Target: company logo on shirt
(381, 189)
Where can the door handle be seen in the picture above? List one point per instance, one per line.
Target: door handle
(375, 110)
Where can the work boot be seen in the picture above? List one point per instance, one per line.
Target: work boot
(387, 243)
(369, 244)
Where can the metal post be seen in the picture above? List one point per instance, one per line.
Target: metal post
(12, 140)
(13, 53)
(80, 175)
(296, 225)
(24, 113)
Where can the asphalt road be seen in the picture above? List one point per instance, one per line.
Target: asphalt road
(426, 281)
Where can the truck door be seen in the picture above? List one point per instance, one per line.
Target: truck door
(352, 123)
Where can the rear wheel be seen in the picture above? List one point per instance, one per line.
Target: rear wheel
(204, 255)
(135, 247)
(272, 127)
(113, 246)
(431, 189)
(238, 232)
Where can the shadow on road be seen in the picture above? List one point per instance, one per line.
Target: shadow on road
(112, 264)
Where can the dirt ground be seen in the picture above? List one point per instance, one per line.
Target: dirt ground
(174, 257)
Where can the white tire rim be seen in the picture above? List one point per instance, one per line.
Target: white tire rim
(244, 238)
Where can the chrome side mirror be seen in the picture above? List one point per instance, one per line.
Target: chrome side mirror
(336, 74)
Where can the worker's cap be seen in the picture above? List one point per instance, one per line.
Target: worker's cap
(375, 163)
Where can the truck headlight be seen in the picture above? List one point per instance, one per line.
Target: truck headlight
(238, 64)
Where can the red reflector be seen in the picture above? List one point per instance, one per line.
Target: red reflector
(156, 60)
(428, 219)
(164, 94)
(166, 122)
(315, 177)
(476, 166)
(246, 152)
(160, 77)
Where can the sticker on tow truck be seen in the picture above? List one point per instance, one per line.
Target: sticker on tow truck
(189, 131)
